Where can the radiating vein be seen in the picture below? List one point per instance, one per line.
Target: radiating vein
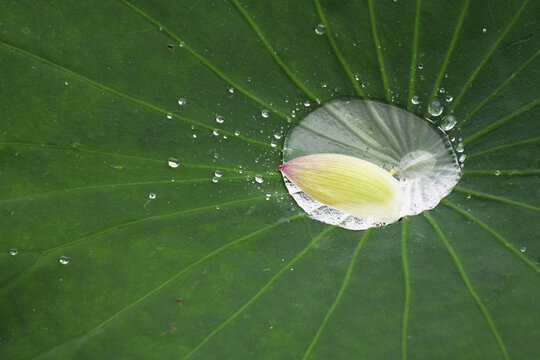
(489, 54)
(205, 62)
(131, 98)
(378, 49)
(114, 186)
(190, 267)
(133, 157)
(414, 56)
(337, 52)
(450, 49)
(274, 54)
(261, 290)
(498, 89)
(496, 198)
(123, 226)
(495, 234)
(469, 286)
(505, 147)
(501, 122)
(406, 276)
(344, 285)
(503, 172)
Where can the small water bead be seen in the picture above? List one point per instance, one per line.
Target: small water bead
(259, 179)
(320, 29)
(273, 144)
(484, 31)
(265, 113)
(468, 196)
(215, 132)
(218, 173)
(523, 249)
(236, 133)
(497, 172)
(13, 252)
(435, 107)
(64, 260)
(307, 104)
(173, 163)
(420, 66)
(231, 90)
(215, 179)
(66, 83)
(194, 136)
(182, 101)
(460, 147)
(442, 91)
(462, 158)
(152, 196)
(277, 136)
(449, 98)
(448, 123)
(169, 116)
(415, 100)
(219, 119)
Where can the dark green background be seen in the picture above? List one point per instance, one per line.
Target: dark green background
(213, 270)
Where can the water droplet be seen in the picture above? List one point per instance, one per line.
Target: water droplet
(460, 147)
(265, 113)
(273, 144)
(259, 179)
(231, 90)
(497, 172)
(268, 195)
(218, 173)
(448, 123)
(219, 119)
(194, 136)
(307, 104)
(449, 98)
(169, 116)
(236, 133)
(215, 179)
(152, 196)
(320, 29)
(215, 132)
(415, 100)
(523, 249)
(442, 91)
(173, 163)
(66, 83)
(13, 252)
(462, 158)
(484, 31)
(468, 196)
(182, 101)
(435, 107)
(277, 136)
(64, 260)
(420, 66)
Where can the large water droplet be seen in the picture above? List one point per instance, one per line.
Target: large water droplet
(219, 119)
(448, 123)
(265, 113)
(182, 101)
(435, 107)
(64, 260)
(390, 137)
(259, 179)
(523, 249)
(415, 100)
(13, 252)
(320, 29)
(173, 163)
(218, 173)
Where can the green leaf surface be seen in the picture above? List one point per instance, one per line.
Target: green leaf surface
(89, 117)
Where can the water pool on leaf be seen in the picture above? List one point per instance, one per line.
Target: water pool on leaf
(416, 151)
